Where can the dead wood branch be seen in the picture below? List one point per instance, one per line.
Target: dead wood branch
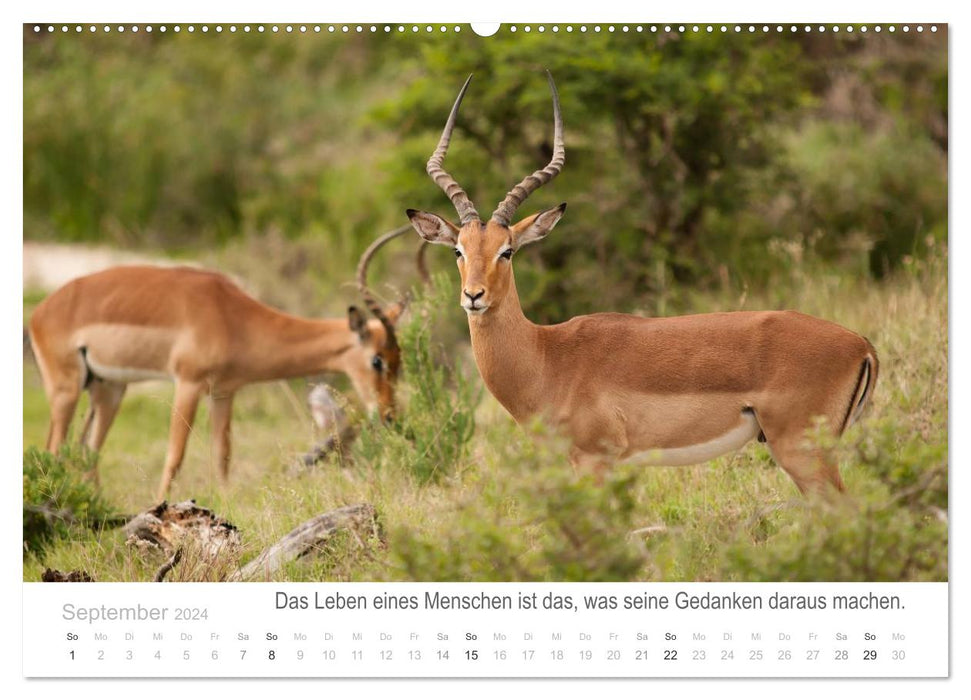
(166, 527)
(55, 576)
(168, 566)
(360, 519)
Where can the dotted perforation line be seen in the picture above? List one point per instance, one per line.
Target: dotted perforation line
(245, 28)
(428, 28)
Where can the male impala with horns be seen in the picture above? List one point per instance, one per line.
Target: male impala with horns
(665, 391)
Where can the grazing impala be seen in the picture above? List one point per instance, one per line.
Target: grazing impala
(127, 324)
(666, 391)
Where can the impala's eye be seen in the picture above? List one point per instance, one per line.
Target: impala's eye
(458, 253)
(506, 254)
(377, 363)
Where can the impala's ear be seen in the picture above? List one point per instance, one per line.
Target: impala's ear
(433, 228)
(535, 227)
(393, 312)
(358, 323)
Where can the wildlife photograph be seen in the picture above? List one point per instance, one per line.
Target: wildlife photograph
(566, 303)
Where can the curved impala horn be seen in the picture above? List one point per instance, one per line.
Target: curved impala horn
(369, 299)
(463, 205)
(520, 192)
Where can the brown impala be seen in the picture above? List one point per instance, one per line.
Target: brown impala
(668, 391)
(128, 324)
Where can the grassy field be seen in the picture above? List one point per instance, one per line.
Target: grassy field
(502, 503)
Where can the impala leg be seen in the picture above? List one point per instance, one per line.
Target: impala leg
(584, 463)
(105, 399)
(221, 413)
(183, 414)
(86, 426)
(814, 470)
(63, 401)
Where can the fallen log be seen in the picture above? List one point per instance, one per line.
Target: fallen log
(360, 519)
(55, 576)
(167, 527)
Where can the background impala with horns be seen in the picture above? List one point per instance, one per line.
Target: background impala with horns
(706, 172)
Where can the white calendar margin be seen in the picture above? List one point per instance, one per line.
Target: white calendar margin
(253, 610)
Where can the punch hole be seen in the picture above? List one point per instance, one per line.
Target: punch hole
(485, 28)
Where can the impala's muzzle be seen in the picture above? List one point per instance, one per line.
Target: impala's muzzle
(472, 300)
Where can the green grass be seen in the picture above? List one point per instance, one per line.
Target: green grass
(506, 505)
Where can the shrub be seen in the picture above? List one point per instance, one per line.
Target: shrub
(526, 516)
(436, 422)
(896, 530)
(59, 503)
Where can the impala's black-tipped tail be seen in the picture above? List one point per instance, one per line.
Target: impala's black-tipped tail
(865, 385)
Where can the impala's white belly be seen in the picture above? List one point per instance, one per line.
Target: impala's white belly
(123, 375)
(745, 430)
(123, 353)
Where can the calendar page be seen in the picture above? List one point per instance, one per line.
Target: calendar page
(515, 350)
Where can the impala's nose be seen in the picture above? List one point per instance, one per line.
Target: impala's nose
(473, 294)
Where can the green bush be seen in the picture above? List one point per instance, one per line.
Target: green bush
(687, 152)
(896, 531)
(526, 516)
(59, 502)
(436, 422)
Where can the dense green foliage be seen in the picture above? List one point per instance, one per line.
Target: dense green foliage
(432, 437)
(687, 154)
(59, 503)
